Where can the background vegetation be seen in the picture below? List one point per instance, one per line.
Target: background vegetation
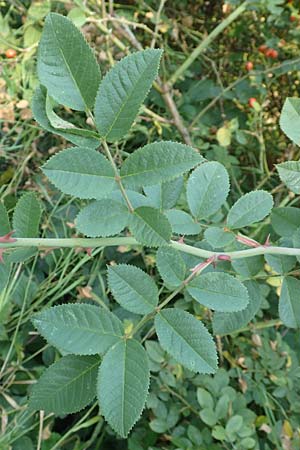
(220, 89)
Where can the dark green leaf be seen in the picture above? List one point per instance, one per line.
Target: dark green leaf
(132, 288)
(81, 172)
(150, 227)
(67, 65)
(79, 328)
(187, 340)
(123, 385)
(67, 386)
(122, 92)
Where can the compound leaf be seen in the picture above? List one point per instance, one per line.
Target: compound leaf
(81, 172)
(249, 209)
(80, 329)
(289, 305)
(289, 173)
(105, 217)
(150, 227)
(123, 384)
(67, 66)
(67, 386)
(122, 92)
(219, 291)
(207, 189)
(133, 289)
(158, 162)
(187, 340)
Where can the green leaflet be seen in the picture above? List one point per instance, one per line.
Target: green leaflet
(4, 220)
(227, 323)
(286, 220)
(290, 119)
(219, 291)
(296, 241)
(4, 276)
(187, 340)
(289, 305)
(102, 218)
(67, 66)
(38, 106)
(80, 329)
(133, 289)
(122, 92)
(171, 266)
(27, 216)
(136, 199)
(26, 221)
(289, 173)
(218, 237)
(280, 263)
(150, 227)
(249, 209)
(207, 189)
(182, 222)
(59, 123)
(248, 267)
(67, 386)
(158, 162)
(123, 384)
(165, 195)
(81, 172)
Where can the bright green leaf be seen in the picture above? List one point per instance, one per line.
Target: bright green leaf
(219, 291)
(249, 209)
(81, 172)
(187, 340)
(67, 386)
(207, 189)
(150, 227)
(123, 385)
(122, 92)
(80, 329)
(67, 66)
(289, 305)
(132, 288)
(102, 218)
(158, 162)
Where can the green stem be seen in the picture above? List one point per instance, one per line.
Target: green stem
(116, 241)
(207, 41)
